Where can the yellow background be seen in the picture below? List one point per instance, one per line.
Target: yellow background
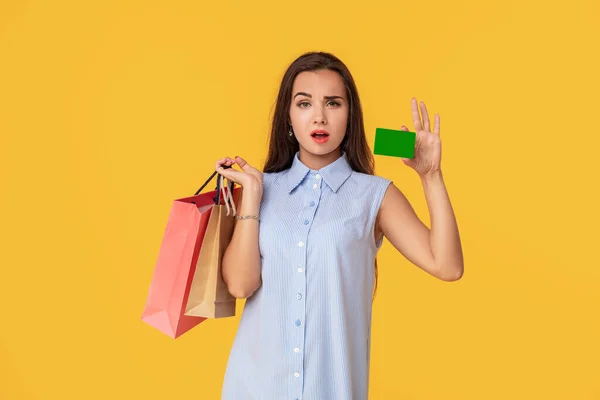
(110, 110)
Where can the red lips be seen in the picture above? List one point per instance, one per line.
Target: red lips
(320, 132)
(320, 135)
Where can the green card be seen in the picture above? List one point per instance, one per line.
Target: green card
(394, 143)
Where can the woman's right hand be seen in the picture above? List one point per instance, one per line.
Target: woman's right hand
(248, 178)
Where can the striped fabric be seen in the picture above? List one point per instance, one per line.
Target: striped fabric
(305, 333)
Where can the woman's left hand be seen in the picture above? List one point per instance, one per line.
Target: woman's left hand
(428, 146)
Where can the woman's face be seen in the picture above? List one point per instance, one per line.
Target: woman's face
(319, 112)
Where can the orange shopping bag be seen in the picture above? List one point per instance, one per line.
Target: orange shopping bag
(177, 258)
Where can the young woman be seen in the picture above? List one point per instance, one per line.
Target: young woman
(308, 231)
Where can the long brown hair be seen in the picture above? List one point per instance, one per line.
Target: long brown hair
(283, 147)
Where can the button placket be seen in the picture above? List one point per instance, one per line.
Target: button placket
(297, 299)
(305, 220)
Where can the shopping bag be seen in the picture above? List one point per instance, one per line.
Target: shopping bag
(209, 296)
(177, 258)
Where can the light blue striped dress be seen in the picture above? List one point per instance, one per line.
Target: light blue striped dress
(305, 333)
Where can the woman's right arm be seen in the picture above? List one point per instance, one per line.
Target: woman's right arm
(241, 267)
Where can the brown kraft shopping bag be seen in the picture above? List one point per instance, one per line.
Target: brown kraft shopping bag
(209, 296)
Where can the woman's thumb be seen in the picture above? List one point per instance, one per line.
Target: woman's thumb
(245, 166)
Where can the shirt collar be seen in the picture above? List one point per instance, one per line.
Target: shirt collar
(334, 174)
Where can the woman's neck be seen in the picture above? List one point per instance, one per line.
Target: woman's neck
(318, 161)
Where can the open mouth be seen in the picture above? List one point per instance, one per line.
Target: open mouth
(319, 134)
(320, 137)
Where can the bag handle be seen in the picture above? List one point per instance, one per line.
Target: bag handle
(219, 189)
(227, 190)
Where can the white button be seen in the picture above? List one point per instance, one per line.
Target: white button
(315, 186)
(297, 350)
(297, 374)
(300, 244)
(300, 270)
(317, 176)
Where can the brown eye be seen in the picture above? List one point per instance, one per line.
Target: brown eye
(303, 103)
(335, 103)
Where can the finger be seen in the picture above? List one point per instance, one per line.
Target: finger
(246, 167)
(407, 161)
(224, 162)
(415, 115)
(232, 175)
(436, 124)
(242, 163)
(425, 117)
(404, 128)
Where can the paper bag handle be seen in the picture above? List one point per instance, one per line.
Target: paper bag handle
(227, 195)
(217, 197)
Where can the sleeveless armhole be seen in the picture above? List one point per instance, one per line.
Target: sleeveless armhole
(379, 193)
(267, 179)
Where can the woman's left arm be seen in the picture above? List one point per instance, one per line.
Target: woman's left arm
(438, 250)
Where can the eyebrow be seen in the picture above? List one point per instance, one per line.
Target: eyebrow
(325, 97)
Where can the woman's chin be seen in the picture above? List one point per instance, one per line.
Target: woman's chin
(321, 149)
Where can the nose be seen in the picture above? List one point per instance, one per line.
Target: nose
(319, 117)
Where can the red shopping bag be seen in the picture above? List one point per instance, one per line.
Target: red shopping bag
(177, 258)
